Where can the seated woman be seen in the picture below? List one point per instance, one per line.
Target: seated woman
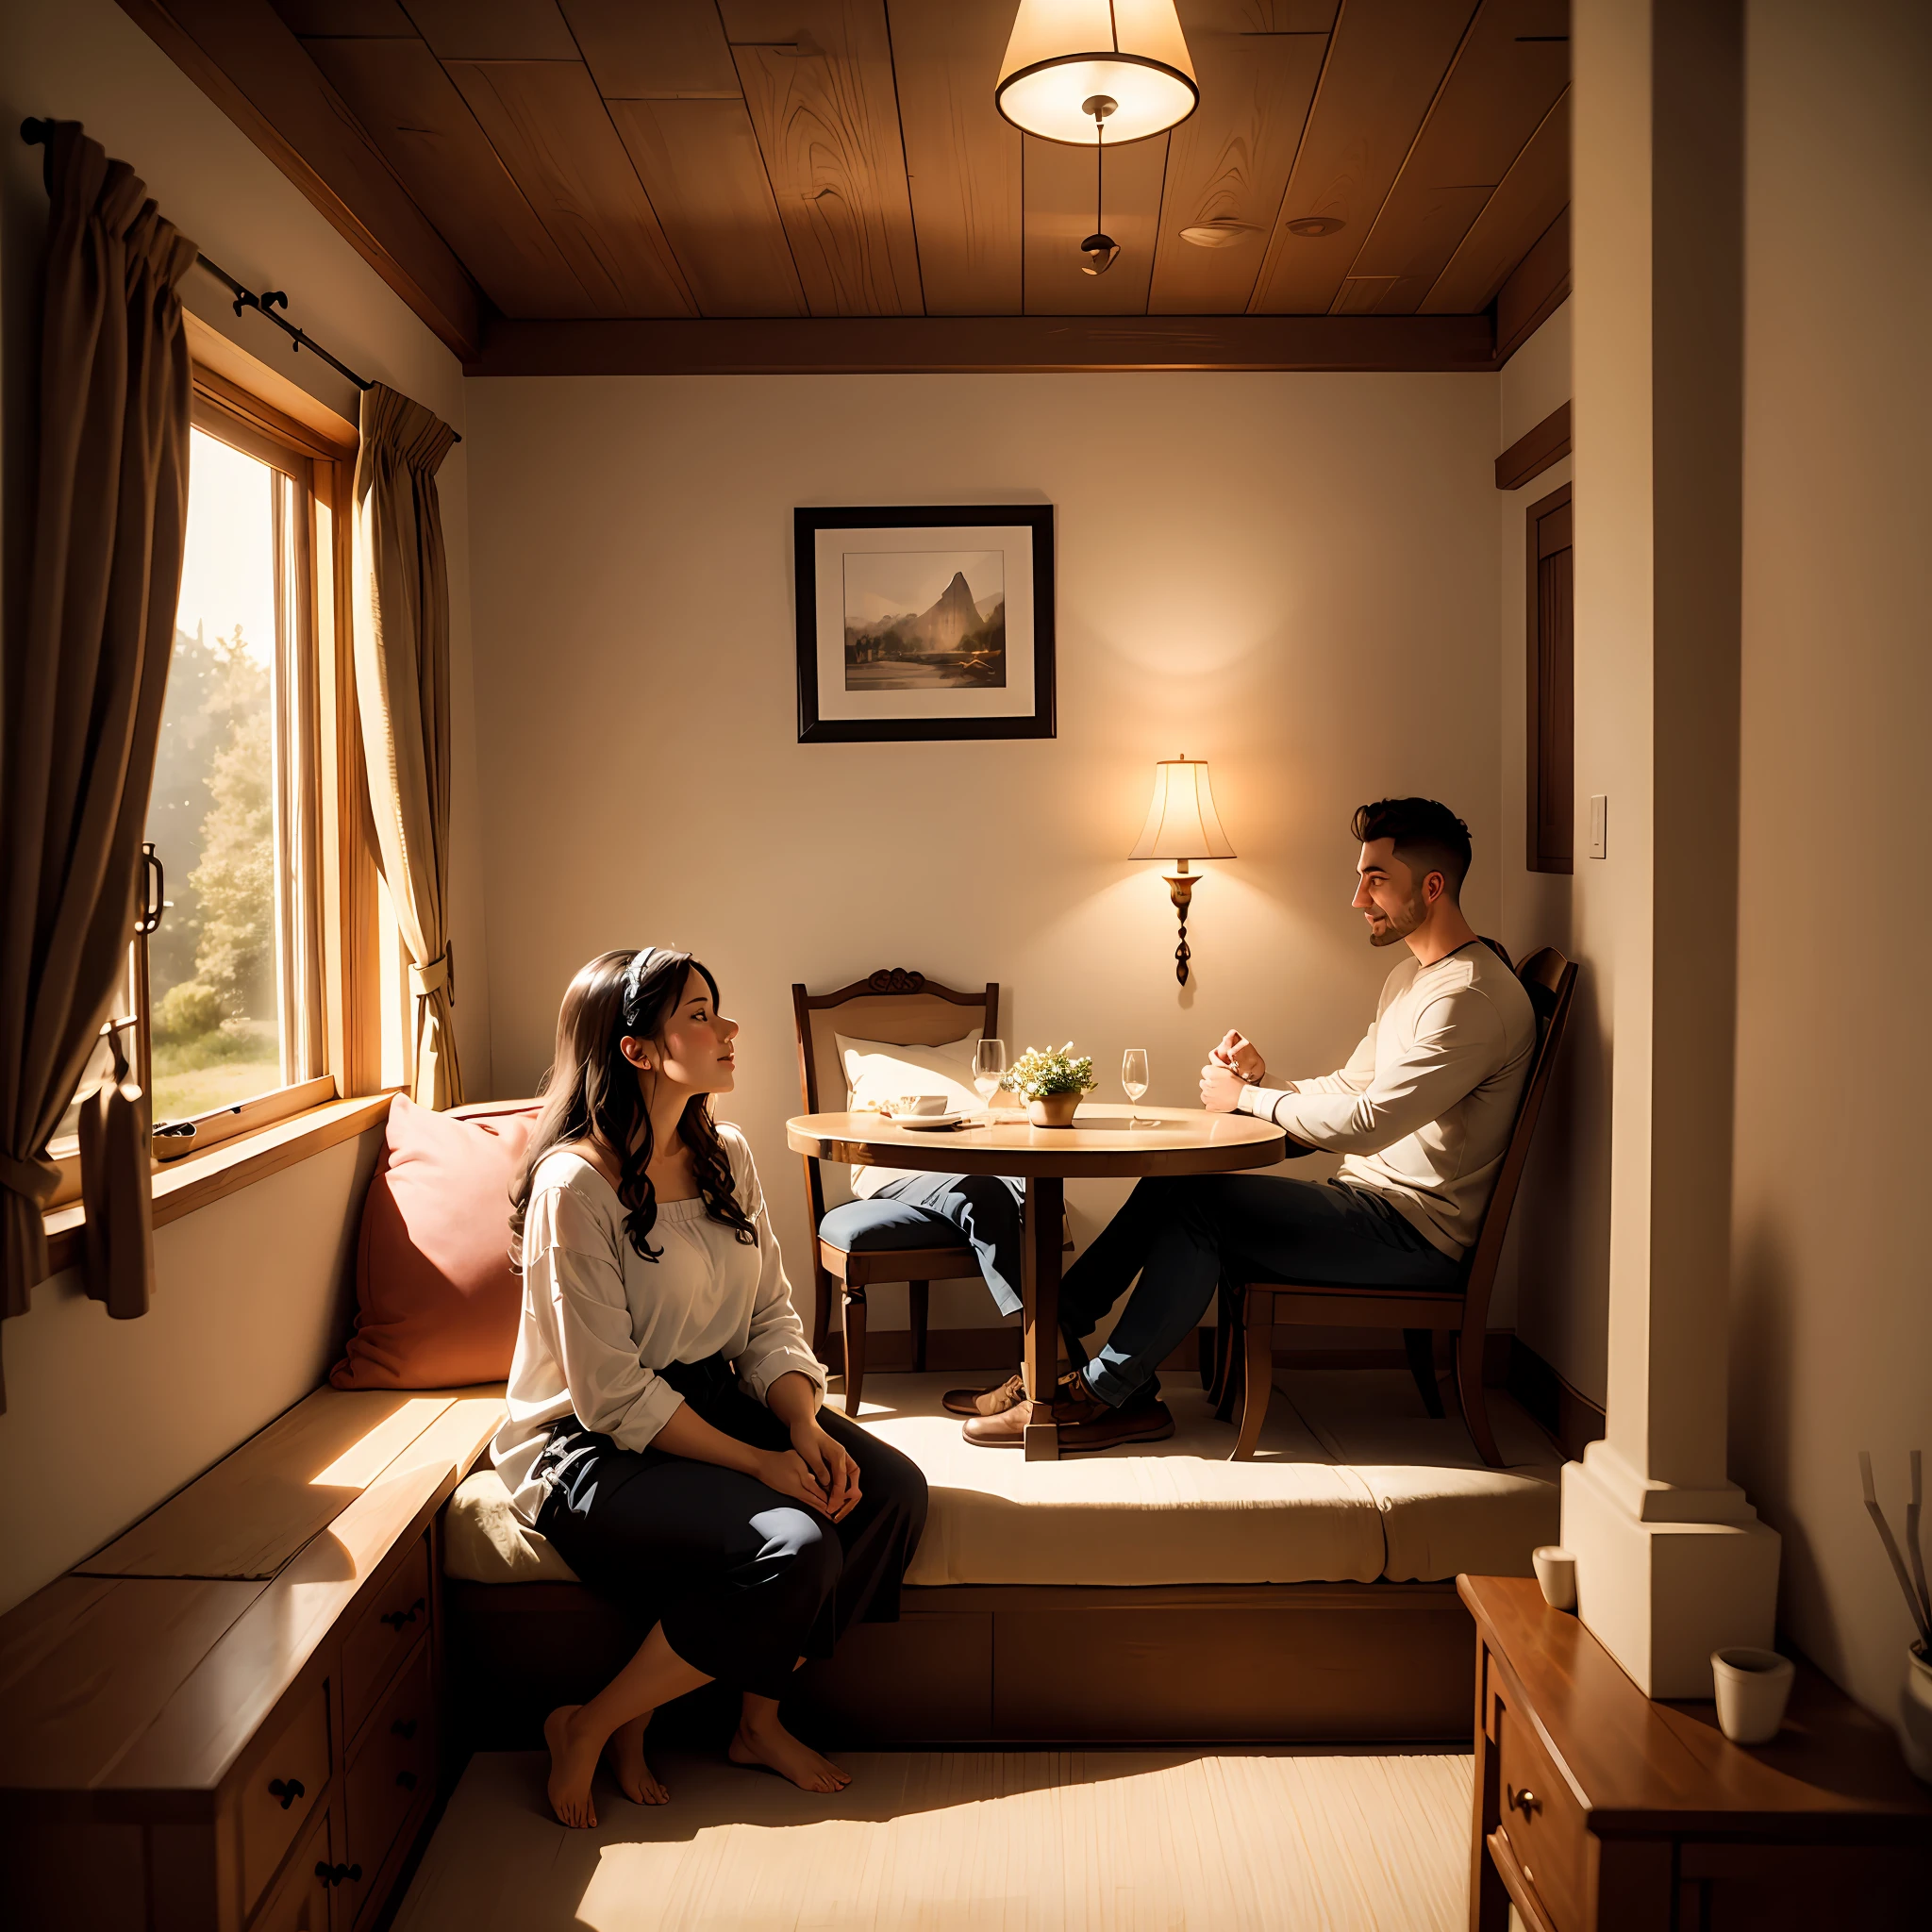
(664, 1427)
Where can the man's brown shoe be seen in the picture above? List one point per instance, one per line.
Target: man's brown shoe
(1086, 1424)
(971, 1402)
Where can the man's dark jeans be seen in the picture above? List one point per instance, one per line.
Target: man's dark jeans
(1182, 1235)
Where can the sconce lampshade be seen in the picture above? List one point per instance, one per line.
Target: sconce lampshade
(1063, 53)
(1182, 822)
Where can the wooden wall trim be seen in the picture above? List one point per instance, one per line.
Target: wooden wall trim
(1535, 450)
(1569, 1415)
(248, 64)
(984, 344)
(1538, 287)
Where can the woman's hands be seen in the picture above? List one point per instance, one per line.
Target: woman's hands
(830, 1466)
(828, 1473)
(815, 1471)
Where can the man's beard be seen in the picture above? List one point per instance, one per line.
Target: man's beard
(1400, 925)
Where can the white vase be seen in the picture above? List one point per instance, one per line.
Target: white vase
(1915, 1712)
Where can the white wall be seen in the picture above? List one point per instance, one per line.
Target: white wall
(1292, 576)
(1831, 1319)
(104, 1417)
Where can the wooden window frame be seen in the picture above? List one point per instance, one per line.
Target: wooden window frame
(1537, 858)
(249, 406)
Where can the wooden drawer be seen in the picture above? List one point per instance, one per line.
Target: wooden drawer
(1541, 1820)
(287, 1774)
(393, 1767)
(382, 1630)
(301, 1901)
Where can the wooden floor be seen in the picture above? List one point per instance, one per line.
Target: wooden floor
(1343, 1841)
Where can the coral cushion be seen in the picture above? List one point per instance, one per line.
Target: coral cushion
(436, 1303)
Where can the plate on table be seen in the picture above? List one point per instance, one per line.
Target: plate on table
(930, 1123)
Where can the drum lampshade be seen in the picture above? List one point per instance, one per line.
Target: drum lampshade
(1063, 53)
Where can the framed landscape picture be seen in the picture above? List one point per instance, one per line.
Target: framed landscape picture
(925, 624)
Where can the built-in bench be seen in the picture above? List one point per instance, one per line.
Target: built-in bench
(238, 1714)
(228, 1718)
(1154, 1595)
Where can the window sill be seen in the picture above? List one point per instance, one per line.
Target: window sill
(226, 1169)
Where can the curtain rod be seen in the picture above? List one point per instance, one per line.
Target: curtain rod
(36, 132)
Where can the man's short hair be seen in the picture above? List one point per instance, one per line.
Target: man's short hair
(1428, 837)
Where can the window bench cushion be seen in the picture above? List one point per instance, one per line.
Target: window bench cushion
(1352, 1483)
(485, 1540)
(881, 1225)
(437, 1302)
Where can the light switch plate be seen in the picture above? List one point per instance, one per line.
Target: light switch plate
(1599, 826)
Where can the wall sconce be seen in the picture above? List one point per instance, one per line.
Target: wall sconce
(1182, 825)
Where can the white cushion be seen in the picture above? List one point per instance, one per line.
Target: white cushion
(1443, 1509)
(1168, 1512)
(879, 1072)
(485, 1540)
(1351, 1483)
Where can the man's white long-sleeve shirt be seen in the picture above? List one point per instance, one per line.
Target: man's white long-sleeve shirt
(1423, 1112)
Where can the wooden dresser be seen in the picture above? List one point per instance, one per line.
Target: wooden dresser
(1597, 1808)
(228, 1718)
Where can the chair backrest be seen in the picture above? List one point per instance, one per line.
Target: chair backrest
(1549, 980)
(906, 1008)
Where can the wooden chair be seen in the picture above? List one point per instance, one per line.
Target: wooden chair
(1245, 1353)
(907, 1009)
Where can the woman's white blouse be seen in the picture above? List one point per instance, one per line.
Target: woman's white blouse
(599, 1321)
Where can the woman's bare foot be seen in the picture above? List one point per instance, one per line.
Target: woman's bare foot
(635, 1778)
(762, 1740)
(573, 1764)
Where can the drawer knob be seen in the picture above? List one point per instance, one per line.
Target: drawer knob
(403, 1728)
(396, 1619)
(406, 1779)
(1525, 1800)
(287, 1789)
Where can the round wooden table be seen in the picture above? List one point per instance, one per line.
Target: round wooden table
(1104, 1142)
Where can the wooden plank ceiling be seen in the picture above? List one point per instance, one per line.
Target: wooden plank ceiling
(807, 159)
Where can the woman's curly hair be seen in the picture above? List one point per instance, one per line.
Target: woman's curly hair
(592, 1092)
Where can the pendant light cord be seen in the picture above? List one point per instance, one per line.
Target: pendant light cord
(1099, 157)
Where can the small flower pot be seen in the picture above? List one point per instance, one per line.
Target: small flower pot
(1052, 1109)
(1915, 1711)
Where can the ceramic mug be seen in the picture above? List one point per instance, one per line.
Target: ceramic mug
(920, 1104)
(1753, 1688)
(1555, 1570)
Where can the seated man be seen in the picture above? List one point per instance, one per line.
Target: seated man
(1422, 1114)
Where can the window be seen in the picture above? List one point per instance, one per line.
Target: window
(1552, 684)
(253, 981)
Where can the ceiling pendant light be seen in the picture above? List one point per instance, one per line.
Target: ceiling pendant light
(1100, 251)
(1065, 54)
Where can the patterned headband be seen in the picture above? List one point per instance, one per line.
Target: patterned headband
(634, 978)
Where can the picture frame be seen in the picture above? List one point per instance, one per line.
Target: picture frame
(923, 623)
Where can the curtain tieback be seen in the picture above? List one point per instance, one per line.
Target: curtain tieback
(34, 1179)
(438, 976)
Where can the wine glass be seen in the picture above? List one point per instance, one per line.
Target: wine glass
(1134, 1082)
(989, 1069)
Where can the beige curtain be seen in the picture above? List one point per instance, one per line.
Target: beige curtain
(402, 691)
(80, 703)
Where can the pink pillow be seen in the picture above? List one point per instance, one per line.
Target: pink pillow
(436, 1303)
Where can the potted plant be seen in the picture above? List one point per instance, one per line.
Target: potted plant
(1051, 1084)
